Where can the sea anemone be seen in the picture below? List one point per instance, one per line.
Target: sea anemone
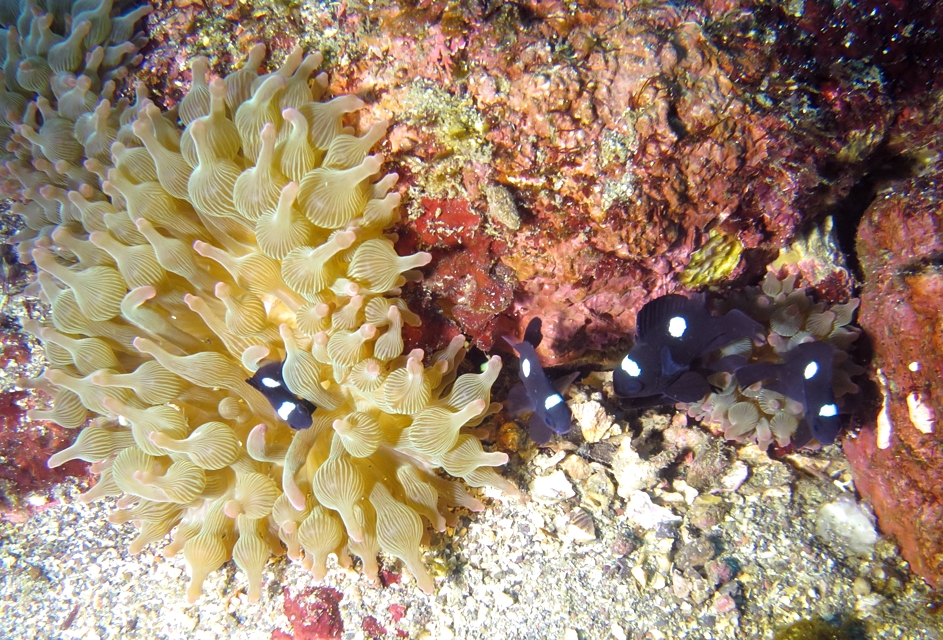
(792, 317)
(179, 252)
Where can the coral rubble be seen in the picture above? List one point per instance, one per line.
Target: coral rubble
(179, 252)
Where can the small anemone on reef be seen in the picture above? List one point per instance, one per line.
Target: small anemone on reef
(790, 317)
(180, 256)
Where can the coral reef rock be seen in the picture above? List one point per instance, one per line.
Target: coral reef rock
(897, 458)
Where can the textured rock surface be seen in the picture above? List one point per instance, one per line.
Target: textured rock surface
(900, 242)
(619, 135)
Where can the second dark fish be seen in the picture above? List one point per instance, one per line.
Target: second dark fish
(805, 375)
(536, 392)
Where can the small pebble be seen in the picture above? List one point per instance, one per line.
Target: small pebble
(735, 478)
(545, 462)
(638, 572)
(581, 527)
(718, 571)
(640, 511)
(576, 467)
(503, 600)
(551, 488)
(724, 603)
(594, 421)
(861, 586)
(695, 553)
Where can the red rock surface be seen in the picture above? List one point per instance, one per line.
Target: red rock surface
(900, 241)
(24, 445)
(24, 448)
(623, 132)
(314, 614)
(618, 130)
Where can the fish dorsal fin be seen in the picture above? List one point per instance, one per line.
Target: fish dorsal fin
(821, 352)
(652, 320)
(511, 341)
(533, 333)
(517, 401)
(732, 326)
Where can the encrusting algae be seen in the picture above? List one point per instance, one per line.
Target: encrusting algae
(179, 257)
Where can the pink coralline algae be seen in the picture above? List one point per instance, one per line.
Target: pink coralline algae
(24, 448)
(314, 614)
(897, 459)
(623, 139)
(624, 155)
(464, 280)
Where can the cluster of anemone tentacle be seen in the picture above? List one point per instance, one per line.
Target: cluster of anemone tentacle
(792, 317)
(178, 252)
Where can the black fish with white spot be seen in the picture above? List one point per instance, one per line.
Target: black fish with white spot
(805, 375)
(673, 333)
(536, 392)
(295, 411)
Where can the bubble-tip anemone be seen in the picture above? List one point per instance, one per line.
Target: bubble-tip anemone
(177, 257)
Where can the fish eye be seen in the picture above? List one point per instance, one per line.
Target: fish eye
(828, 411)
(552, 401)
(285, 409)
(810, 370)
(677, 326)
(631, 367)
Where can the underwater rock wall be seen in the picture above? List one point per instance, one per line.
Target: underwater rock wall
(569, 169)
(897, 459)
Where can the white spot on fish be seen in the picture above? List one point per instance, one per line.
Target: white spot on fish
(677, 326)
(552, 401)
(285, 410)
(631, 367)
(828, 411)
(271, 383)
(525, 367)
(810, 370)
